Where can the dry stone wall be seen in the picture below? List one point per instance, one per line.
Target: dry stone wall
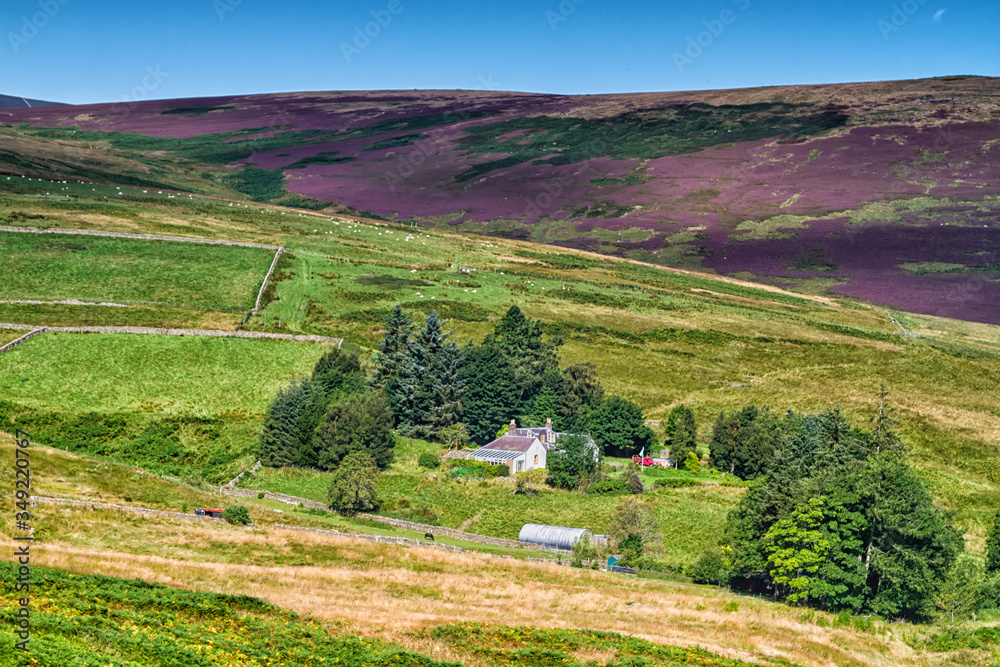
(14, 343)
(178, 332)
(380, 539)
(138, 237)
(399, 523)
(125, 508)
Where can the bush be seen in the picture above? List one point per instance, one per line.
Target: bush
(632, 482)
(428, 460)
(480, 469)
(260, 496)
(692, 464)
(608, 486)
(237, 515)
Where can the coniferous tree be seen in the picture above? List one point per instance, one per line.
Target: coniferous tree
(360, 423)
(993, 546)
(520, 339)
(581, 395)
(279, 438)
(544, 407)
(491, 398)
(680, 430)
(411, 392)
(448, 387)
(393, 349)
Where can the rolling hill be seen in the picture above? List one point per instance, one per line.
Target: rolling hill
(888, 192)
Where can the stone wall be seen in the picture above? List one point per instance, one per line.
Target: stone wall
(399, 523)
(14, 343)
(380, 539)
(126, 508)
(139, 237)
(177, 332)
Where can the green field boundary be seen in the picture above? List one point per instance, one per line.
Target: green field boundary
(213, 333)
(137, 237)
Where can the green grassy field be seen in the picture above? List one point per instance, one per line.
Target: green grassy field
(168, 403)
(93, 269)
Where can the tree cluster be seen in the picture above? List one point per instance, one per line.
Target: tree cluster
(318, 421)
(835, 519)
(434, 388)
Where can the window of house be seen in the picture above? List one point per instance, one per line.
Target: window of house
(520, 466)
(536, 459)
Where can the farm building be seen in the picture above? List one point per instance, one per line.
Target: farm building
(517, 453)
(524, 448)
(554, 537)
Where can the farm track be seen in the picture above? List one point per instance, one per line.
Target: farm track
(177, 332)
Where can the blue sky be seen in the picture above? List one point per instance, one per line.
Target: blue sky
(84, 51)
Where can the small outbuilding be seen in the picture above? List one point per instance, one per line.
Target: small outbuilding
(553, 537)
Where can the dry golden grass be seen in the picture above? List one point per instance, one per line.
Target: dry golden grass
(391, 592)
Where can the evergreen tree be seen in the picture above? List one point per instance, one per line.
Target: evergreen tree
(884, 437)
(491, 398)
(744, 443)
(960, 594)
(618, 426)
(411, 393)
(448, 386)
(680, 430)
(279, 439)
(544, 407)
(581, 395)
(393, 349)
(360, 423)
(993, 546)
(521, 341)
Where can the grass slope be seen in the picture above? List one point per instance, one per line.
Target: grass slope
(57, 267)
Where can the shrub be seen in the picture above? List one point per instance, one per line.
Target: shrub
(691, 463)
(428, 460)
(237, 515)
(608, 486)
(260, 496)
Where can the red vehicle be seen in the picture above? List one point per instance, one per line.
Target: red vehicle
(644, 460)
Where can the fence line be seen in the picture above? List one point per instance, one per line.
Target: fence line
(14, 343)
(178, 332)
(138, 237)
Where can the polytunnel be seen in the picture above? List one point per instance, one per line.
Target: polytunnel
(554, 537)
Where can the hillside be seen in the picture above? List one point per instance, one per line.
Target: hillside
(193, 406)
(317, 595)
(884, 191)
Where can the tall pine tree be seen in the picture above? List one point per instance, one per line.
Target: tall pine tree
(393, 349)
(680, 430)
(491, 398)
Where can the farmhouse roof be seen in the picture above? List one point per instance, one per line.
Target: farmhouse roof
(511, 443)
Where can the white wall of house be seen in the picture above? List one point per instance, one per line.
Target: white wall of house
(532, 459)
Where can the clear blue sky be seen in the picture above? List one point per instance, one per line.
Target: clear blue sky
(84, 51)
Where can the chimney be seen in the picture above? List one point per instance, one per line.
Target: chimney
(513, 427)
(548, 423)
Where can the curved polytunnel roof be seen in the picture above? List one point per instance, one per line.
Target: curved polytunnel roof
(555, 537)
